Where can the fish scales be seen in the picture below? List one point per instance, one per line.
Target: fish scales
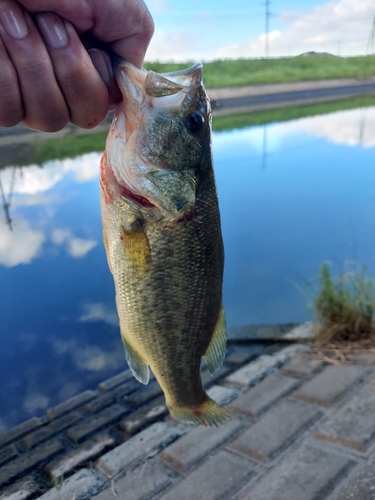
(166, 256)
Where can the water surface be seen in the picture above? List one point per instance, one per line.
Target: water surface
(292, 196)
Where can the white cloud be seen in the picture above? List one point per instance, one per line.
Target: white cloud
(34, 179)
(60, 235)
(172, 46)
(69, 390)
(36, 401)
(338, 25)
(84, 167)
(20, 245)
(353, 128)
(62, 346)
(93, 359)
(76, 247)
(31, 179)
(97, 311)
(89, 358)
(29, 200)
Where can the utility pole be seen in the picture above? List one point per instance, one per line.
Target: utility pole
(264, 152)
(268, 14)
(370, 43)
(6, 202)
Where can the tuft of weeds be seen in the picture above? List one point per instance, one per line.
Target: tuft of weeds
(58, 481)
(345, 308)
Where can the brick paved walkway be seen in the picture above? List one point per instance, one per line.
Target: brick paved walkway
(301, 430)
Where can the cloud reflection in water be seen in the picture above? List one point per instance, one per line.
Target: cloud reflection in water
(59, 332)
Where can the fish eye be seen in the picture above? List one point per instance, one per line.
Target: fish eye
(194, 121)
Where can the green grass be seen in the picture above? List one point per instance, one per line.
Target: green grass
(230, 122)
(67, 147)
(74, 145)
(232, 73)
(43, 150)
(344, 308)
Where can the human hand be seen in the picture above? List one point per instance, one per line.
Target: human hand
(48, 78)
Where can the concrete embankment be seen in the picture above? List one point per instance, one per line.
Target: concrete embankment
(302, 428)
(233, 100)
(228, 101)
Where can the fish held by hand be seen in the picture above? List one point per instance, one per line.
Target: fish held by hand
(161, 228)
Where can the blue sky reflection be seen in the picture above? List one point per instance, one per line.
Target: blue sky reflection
(292, 196)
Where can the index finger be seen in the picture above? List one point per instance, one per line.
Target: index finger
(126, 24)
(129, 28)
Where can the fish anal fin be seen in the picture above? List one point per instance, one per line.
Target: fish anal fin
(137, 250)
(214, 356)
(138, 367)
(208, 413)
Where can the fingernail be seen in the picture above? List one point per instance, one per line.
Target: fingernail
(13, 21)
(102, 63)
(52, 30)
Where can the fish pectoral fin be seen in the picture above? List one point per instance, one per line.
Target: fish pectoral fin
(138, 367)
(214, 356)
(137, 250)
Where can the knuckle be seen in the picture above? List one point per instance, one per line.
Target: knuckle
(10, 119)
(89, 120)
(33, 71)
(11, 111)
(148, 24)
(47, 119)
(145, 25)
(45, 126)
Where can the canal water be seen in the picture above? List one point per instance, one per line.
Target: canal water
(292, 196)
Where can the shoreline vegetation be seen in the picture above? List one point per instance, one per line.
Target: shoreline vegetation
(72, 145)
(344, 307)
(220, 74)
(344, 317)
(309, 66)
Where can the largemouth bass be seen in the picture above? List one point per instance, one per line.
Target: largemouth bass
(162, 235)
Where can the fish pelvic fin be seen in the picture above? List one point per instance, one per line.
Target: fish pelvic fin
(208, 413)
(214, 356)
(138, 367)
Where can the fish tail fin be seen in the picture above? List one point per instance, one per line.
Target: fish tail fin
(208, 413)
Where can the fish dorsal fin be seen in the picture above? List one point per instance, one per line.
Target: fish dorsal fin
(137, 250)
(214, 356)
(138, 367)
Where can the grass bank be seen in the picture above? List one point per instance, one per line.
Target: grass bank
(39, 152)
(289, 113)
(234, 73)
(68, 147)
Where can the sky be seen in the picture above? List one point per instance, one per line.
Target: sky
(229, 29)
